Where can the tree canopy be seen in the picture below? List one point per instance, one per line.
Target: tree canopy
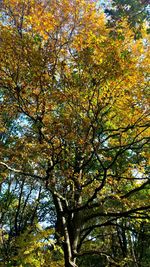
(74, 136)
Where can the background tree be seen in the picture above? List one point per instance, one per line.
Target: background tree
(26, 211)
(80, 97)
(136, 12)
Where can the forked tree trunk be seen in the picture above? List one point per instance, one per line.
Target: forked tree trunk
(68, 261)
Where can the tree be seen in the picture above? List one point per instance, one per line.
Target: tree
(24, 208)
(80, 98)
(135, 12)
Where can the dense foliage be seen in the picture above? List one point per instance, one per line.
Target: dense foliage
(136, 12)
(74, 136)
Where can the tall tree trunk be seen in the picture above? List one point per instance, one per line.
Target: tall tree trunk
(70, 260)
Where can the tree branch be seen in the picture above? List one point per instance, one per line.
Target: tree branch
(135, 190)
(20, 171)
(116, 214)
